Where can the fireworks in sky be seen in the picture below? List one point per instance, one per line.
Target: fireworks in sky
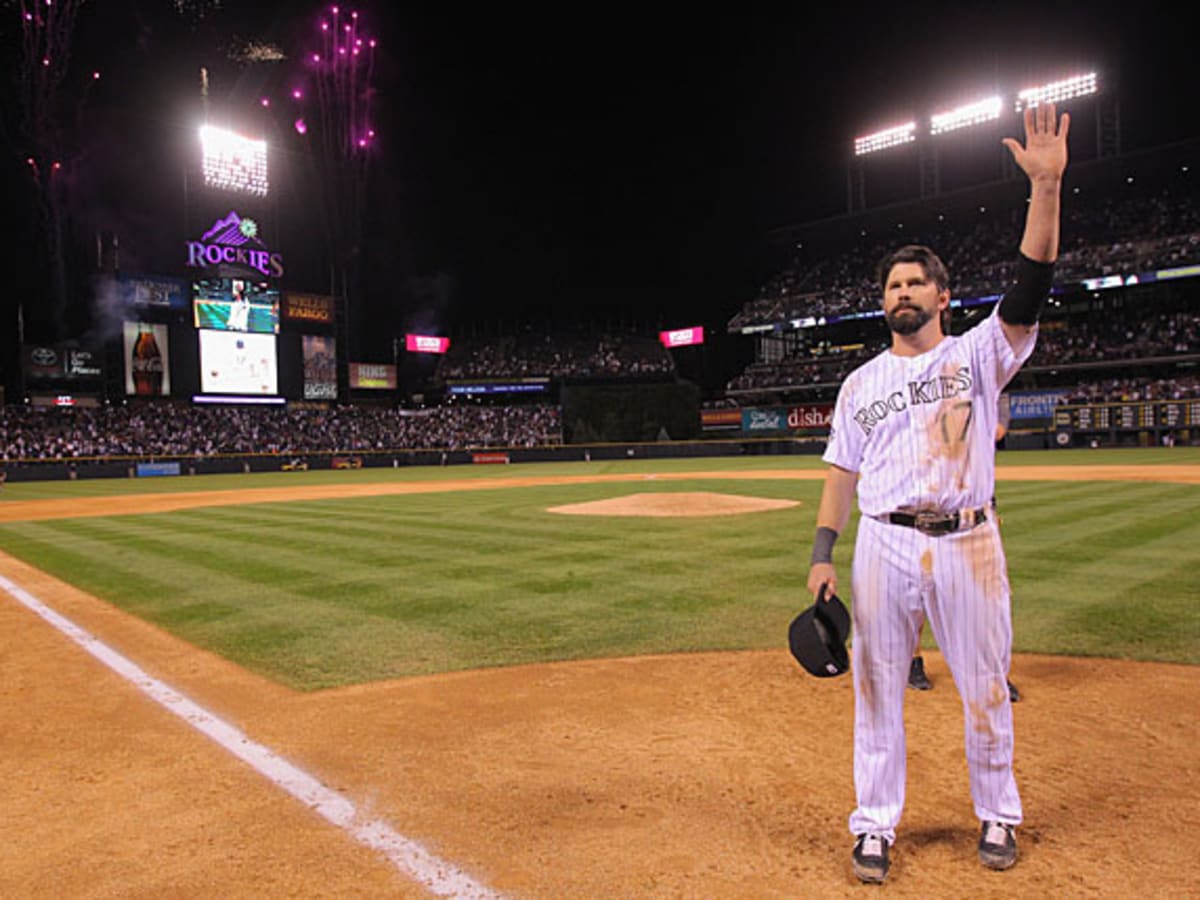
(339, 70)
(329, 104)
(42, 66)
(47, 29)
(196, 10)
(255, 51)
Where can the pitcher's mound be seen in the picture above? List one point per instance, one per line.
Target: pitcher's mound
(695, 503)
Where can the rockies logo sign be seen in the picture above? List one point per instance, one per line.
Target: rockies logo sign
(234, 241)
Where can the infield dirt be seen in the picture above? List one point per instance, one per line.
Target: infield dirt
(700, 775)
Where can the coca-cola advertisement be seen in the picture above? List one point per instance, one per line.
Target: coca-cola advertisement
(147, 364)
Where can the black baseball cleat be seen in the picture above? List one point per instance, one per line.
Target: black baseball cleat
(1013, 694)
(998, 845)
(917, 679)
(871, 858)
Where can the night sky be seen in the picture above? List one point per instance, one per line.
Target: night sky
(604, 161)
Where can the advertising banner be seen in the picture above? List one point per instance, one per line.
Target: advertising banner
(151, 470)
(426, 343)
(83, 365)
(681, 337)
(711, 419)
(763, 420)
(308, 307)
(373, 376)
(489, 458)
(813, 417)
(320, 368)
(43, 361)
(42, 400)
(1034, 404)
(801, 417)
(153, 291)
(58, 362)
(147, 360)
(516, 386)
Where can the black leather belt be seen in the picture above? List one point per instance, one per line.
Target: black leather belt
(931, 522)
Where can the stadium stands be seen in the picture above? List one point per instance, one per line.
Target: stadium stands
(170, 430)
(555, 355)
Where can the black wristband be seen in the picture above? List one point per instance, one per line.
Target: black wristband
(822, 551)
(1022, 304)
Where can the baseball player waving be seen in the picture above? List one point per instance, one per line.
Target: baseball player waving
(912, 435)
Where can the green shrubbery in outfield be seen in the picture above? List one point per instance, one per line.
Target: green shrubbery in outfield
(317, 594)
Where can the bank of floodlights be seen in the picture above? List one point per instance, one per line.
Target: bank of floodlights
(967, 115)
(232, 162)
(979, 112)
(882, 140)
(1057, 91)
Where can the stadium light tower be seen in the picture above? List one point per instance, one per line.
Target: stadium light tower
(888, 137)
(967, 115)
(1058, 91)
(232, 162)
(926, 134)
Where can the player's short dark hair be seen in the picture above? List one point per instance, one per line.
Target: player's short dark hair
(914, 253)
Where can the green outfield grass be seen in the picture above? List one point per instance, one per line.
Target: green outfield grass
(323, 593)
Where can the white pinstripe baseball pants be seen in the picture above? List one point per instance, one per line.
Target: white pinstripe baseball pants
(959, 582)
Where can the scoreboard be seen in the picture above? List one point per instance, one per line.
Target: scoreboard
(1156, 415)
(1179, 414)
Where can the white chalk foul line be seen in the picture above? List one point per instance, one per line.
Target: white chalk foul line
(439, 876)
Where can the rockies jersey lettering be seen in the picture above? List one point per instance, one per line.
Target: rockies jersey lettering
(934, 389)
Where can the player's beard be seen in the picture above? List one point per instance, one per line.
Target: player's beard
(907, 324)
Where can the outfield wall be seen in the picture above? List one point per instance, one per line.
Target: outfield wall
(164, 466)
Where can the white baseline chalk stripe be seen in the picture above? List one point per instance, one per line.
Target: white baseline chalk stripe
(439, 876)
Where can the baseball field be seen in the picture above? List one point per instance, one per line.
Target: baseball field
(562, 680)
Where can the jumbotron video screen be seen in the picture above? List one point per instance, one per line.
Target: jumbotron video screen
(233, 363)
(235, 304)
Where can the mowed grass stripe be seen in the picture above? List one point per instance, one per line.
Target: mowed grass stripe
(1110, 570)
(280, 631)
(1099, 519)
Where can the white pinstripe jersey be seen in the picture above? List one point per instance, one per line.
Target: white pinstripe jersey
(920, 430)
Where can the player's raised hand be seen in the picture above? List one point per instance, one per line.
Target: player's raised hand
(1044, 156)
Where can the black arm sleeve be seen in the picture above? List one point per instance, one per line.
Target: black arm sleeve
(1022, 304)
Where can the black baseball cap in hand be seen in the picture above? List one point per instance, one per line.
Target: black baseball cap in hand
(817, 637)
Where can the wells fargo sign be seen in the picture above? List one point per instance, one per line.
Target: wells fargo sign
(308, 307)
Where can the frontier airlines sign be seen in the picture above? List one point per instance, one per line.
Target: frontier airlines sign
(234, 241)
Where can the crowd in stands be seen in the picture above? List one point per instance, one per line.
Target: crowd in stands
(1059, 343)
(803, 367)
(557, 356)
(169, 430)
(1125, 390)
(1125, 233)
(1166, 334)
